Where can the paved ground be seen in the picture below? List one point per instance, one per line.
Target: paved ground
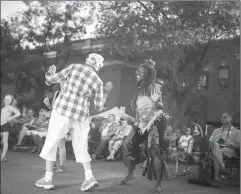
(19, 173)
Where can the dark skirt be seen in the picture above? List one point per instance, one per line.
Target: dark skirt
(135, 147)
(134, 152)
(5, 128)
(156, 143)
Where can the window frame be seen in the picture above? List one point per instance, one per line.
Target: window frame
(201, 87)
(228, 79)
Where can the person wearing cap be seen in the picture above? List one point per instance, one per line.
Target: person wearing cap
(71, 111)
(114, 144)
(107, 131)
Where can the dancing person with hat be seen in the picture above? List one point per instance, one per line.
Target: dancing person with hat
(144, 143)
(71, 110)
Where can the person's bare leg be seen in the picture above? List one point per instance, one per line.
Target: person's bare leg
(112, 154)
(5, 143)
(49, 170)
(21, 135)
(1, 135)
(87, 169)
(130, 174)
(62, 153)
(49, 166)
(217, 153)
(102, 146)
(216, 171)
(158, 165)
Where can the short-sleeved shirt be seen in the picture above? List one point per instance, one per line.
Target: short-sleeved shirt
(40, 123)
(123, 131)
(6, 113)
(184, 140)
(230, 136)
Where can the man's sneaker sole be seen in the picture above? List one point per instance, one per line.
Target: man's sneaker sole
(91, 186)
(46, 187)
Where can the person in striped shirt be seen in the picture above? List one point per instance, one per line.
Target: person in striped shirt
(71, 111)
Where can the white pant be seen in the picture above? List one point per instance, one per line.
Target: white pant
(59, 126)
(40, 133)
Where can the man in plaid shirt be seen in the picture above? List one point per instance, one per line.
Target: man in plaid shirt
(71, 111)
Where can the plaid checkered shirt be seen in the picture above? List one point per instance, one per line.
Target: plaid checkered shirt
(80, 82)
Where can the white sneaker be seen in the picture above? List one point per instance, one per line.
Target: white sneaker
(89, 184)
(44, 184)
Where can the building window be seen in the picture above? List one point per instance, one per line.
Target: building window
(223, 78)
(203, 81)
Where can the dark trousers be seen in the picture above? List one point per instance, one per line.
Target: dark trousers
(102, 146)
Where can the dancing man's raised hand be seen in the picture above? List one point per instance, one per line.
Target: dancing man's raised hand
(108, 87)
(52, 69)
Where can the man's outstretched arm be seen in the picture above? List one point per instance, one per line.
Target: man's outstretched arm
(57, 77)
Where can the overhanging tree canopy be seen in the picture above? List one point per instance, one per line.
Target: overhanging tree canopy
(180, 32)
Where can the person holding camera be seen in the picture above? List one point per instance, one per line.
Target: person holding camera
(224, 143)
(71, 111)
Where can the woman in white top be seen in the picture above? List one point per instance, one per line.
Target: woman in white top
(8, 113)
(184, 139)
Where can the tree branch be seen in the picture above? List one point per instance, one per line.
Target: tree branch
(144, 6)
(47, 32)
(156, 4)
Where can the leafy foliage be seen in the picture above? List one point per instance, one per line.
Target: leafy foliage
(47, 23)
(139, 26)
(10, 45)
(43, 25)
(178, 34)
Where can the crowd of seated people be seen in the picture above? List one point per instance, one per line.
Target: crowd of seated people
(26, 117)
(112, 134)
(224, 142)
(180, 142)
(31, 125)
(36, 129)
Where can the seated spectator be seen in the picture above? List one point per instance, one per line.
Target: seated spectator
(37, 136)
(17, 124)
(107, 130)
(183, 144)
(171, 138)
(224, 143)
(117, 139)
(27, 118)
(197, 140)
(184, 139)
(178, 133)
(94, 134)
(33, 125)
